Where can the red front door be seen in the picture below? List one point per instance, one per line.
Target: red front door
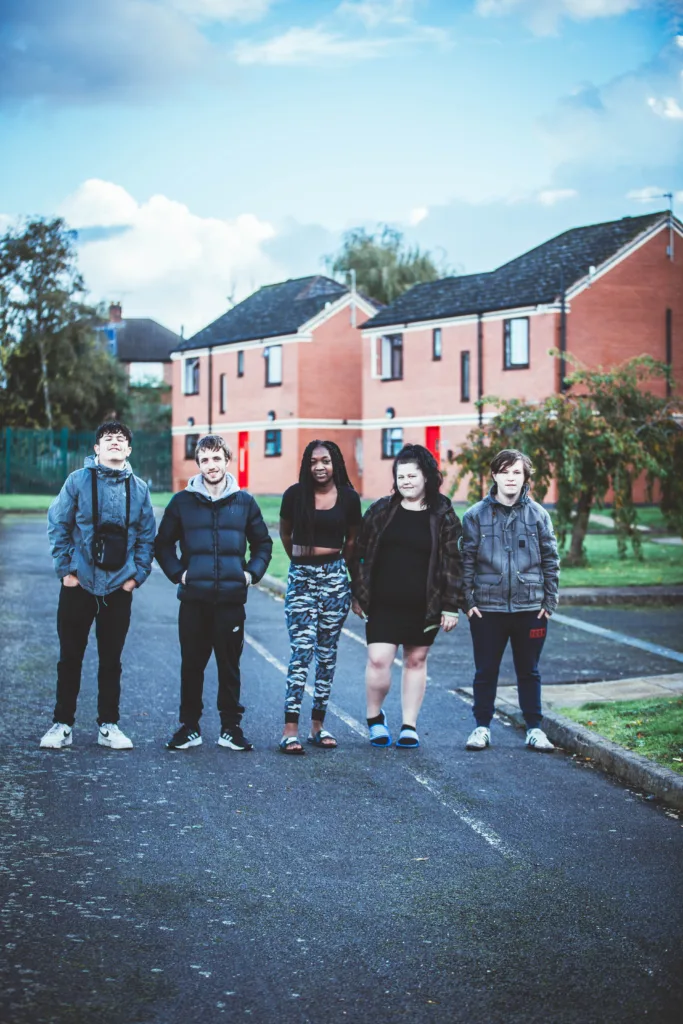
(243, 458)
(433, 442)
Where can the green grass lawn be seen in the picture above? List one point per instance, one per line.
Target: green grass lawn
(662, 563)
(653, 727)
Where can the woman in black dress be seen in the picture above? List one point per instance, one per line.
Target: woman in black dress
(407, 583)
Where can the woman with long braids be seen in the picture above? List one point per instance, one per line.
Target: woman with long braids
(407, 582)
(319, 519)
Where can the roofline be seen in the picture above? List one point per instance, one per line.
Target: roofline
(469, 317)
(575, 289)
(230, 346)
(626, 250)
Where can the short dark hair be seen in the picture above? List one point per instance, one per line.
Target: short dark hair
(113, 427)
(507, 457)
(426, 462)
(212, 443)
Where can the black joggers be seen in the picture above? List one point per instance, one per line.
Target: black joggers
(75, 613)
(490, 635)
(204, 628)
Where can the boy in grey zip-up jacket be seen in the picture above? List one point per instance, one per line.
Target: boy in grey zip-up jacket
(93, 592)
(511, 580)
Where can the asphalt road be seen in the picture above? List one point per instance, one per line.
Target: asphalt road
(360, 884)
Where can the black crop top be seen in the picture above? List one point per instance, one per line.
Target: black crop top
(330, 526)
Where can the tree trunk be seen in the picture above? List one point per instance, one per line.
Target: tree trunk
(45, 382)
(577, 554)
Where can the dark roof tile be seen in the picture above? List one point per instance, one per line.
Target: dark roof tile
(535, 278)
(140, 340)
(272, 311)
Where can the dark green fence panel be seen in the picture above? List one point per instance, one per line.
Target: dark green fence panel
(39, 461)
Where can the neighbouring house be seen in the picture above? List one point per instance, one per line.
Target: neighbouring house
(276, 371)
(601, 293)
(142, 346)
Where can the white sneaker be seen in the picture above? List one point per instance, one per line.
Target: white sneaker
(536, 739)
(110, 735)
(479, 738)
(57, 736)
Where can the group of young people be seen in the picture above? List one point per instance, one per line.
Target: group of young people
(406, 567)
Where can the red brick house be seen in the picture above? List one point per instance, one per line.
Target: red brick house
(276, 371)
(602, 293)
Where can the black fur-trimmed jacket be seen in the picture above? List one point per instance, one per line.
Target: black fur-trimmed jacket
(444, 578)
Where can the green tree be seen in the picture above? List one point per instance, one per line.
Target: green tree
(385, 265)
(54, 369)
(605, 432)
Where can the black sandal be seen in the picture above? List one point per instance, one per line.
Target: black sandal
(288, 744)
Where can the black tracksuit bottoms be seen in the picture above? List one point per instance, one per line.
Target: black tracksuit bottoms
(204, 627)
(75, 614)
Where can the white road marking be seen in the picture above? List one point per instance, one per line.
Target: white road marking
(479, 827)
(620, 638)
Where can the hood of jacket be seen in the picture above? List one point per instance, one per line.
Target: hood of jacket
(197, 485)
(91, 462)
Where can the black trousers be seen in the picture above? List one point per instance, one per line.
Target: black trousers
(75, 613)
(490, 635)
(204, 628)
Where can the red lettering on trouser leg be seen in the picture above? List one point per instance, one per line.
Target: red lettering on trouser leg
(536, 634)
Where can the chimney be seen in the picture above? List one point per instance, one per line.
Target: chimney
(115, 313)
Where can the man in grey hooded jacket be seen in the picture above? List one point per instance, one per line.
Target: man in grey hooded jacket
(90, 591)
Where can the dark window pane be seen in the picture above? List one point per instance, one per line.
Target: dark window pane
(464, 376)
(436, 343)
(190, 445)
(273, 443)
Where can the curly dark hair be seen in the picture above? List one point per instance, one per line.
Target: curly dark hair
(305, 508)
(113, 427)
(425, 461)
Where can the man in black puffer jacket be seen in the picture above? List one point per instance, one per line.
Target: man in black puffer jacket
(212, 520)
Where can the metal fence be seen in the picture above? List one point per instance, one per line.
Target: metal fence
(39, 461)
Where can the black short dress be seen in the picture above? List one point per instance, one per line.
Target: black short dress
(398, 589)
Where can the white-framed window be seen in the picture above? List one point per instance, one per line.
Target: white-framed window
(464, 376)
(391, 357)
(436, 343)
(273, 360)
(273, 443)
(516, 343)
(392, 442)
(191, 375)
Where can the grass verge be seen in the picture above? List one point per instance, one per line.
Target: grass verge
(661, 564)
(652, 727)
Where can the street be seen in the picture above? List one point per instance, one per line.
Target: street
(360, 884)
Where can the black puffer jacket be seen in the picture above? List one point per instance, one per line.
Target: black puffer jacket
(213, 538)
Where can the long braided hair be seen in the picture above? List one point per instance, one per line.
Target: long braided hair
(306, 499)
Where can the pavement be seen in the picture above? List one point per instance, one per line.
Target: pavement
(368, 885)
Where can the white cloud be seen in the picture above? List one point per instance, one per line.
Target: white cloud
(551, 196)
(666, 107)
(544, 16)
(167, 262)
(650, 194)
(417, 215)
(224, 10)
(308, 46)
(379, 12)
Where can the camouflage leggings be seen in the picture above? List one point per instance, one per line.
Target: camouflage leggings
(316, 605)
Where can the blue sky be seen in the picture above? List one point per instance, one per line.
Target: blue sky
(205, 147)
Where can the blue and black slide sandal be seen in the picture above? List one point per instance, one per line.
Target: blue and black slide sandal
(408, 738)
(379, 732)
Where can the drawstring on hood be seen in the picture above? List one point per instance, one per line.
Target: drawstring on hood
(197, 485)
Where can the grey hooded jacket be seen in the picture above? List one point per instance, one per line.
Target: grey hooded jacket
(70, 526)
(510, 560)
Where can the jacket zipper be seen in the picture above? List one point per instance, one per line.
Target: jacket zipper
(215, 547)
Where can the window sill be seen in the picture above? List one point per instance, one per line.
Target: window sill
(518, 366)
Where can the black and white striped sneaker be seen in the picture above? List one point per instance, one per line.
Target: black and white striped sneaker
(186, 736)
(234, 738)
